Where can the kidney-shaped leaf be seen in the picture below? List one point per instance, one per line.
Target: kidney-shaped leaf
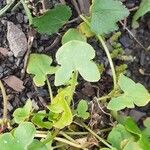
(25, 133)
(20, 139)
(82, 109)
(76, 56)
(8, 142)
(21, 114)
(134, 93)
(52, 20)
(105, 15)
(39, 65)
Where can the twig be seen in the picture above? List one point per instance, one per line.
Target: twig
(69, 143)
(63, 1)
(98, 137)
(30, 42)
(3, 10)
(132, 35)
(74, 2)
(5, 100)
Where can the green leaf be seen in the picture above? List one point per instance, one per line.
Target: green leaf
(37, 145)
(146, 131)
(82, 109)
(73, 34)
(52, 20)
(20, 139)
(38, 119)
(105, 14)
(60, 106)
(39, 65)
(21, 114)
(8, 142)
(134, 94)
(85, 30)
(117, 135)
(76, 56)
(25, 133)
(132, 127)
(132, 146)
(143, 9)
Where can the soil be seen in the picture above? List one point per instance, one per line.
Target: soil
(10, 65)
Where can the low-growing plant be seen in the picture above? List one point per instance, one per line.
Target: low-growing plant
(39, 130)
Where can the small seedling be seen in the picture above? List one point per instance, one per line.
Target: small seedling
(21, 114)
(82, 109)
(133, 94)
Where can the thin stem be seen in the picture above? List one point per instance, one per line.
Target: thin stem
(103, 98)
(107, 53)
(110, 60)
(74, 81)
(98, 137)
(77, 133)
(73, 86)
(67, 136)
(27, 10)
(49, 89)
(5, 100)
(3, 10)
(69, 143)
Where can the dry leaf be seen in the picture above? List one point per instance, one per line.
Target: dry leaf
(17, 40)
(15, 83)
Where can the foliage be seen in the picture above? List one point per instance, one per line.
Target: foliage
(73, 34)
(38, 119)
(76, 56)
(146, 131)
(52, 19)
(128, 136)
(21, 138)
(21, 114)
(143, 9)
(60, 106)
(105, 15)
(39, 65)
(85, 30)
(133, 94)
(82, 109)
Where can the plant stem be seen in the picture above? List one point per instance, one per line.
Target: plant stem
(69, 143)
(27, 10)
(67, 136)
(73, 85)
(5, 100)
(77, 133)
(49, 89)
(74, 81)
(110, 60)
(106, 51)
(3, 10)
(98, 137)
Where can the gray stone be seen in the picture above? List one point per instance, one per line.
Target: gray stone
(20, 17)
